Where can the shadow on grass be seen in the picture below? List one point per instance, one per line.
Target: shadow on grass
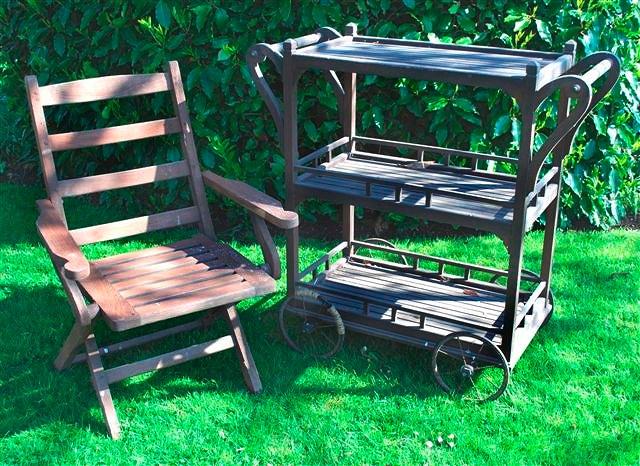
(33, 393)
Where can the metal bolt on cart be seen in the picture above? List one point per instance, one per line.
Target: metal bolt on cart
(477, 320)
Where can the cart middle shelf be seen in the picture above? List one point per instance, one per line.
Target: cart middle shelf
(436, 191)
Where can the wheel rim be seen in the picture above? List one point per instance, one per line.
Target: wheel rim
(471, 367)
(311, 328)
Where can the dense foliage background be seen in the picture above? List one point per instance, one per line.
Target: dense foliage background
(60, 41)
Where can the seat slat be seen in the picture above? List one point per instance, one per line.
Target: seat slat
(135, 255)
(113, 134)
(152, 259)
(122, 179)
(184, 290)
(202, 299)
(107, 87)
(208, 259)
(173, 281)
(177, 279)
(178, 272)
(135, 226)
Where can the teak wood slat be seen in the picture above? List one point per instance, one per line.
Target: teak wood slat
(102, 88)
(135, 226)
(123, 179)
(159, 283)
(113, 134)
(404, 299)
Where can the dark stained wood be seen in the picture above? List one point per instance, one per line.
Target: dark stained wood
(60, 242)
(113, 134)
(255, 201)
(169, 359)
(135, 226)
(106, 87)
(403, 301)
(189, 149)
(156, 284)
(247, 364)
(194, 276)
(268, 246)
(123, 179)
(101, 386)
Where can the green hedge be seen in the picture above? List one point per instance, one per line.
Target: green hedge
(76, 39)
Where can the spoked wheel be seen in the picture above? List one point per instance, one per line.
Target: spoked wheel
(470, 366)
(495, 279)
(383, 242)
(311, 325)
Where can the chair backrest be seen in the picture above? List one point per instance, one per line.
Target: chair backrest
(109, 87)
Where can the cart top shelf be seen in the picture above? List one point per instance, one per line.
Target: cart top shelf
(461, 64)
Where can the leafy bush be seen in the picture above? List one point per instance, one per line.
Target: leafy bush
(70, 40)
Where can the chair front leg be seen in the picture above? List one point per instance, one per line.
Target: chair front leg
(101, 386)
(247, 364)
(269, 251)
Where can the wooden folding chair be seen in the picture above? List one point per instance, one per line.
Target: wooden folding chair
(134, 289)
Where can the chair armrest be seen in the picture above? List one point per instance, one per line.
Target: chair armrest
(255, 201)
(59, 242)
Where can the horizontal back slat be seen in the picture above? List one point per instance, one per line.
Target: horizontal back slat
(113, 134)
(108, 87)
(135, 226)
(123, 179)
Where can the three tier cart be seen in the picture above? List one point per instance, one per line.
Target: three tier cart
(477, 320)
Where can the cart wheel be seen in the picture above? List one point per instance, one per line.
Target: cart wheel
(383, 242)
(495, 279)
(470, 365)
(319, 332)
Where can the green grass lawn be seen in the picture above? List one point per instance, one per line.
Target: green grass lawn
(574, 396)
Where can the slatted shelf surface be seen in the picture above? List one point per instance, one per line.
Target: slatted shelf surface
(395, 55)
(470, 65)
(415, 181)
(449, 306)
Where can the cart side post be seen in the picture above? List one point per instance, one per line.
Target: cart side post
(348, 118)
(290, 76)
(515, 242)
(551, 215)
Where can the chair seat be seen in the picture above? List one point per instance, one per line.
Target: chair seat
(169, 281)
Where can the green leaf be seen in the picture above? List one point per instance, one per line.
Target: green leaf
(464, 104)
(59, 44)
(201, 12)
(174, 154)
(543, 31)
(435, 103)
(163, 14)
(522, 24)
(311, 130)
(574, 182)
(222, 18)
(411, 4)
(208, 158)
(589, 150)
(225, 53)
(193, 78)
(501, 126)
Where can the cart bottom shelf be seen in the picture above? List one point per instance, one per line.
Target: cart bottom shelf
(374, 299)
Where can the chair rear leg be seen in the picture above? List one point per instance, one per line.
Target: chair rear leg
(101, 386)
(76, 338)
(247, 364)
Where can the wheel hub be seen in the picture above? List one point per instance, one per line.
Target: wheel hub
(308, 327)
(467, 370)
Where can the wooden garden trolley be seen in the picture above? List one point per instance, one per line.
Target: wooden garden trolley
(474, 324)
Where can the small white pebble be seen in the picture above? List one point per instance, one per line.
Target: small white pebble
(429, 444)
